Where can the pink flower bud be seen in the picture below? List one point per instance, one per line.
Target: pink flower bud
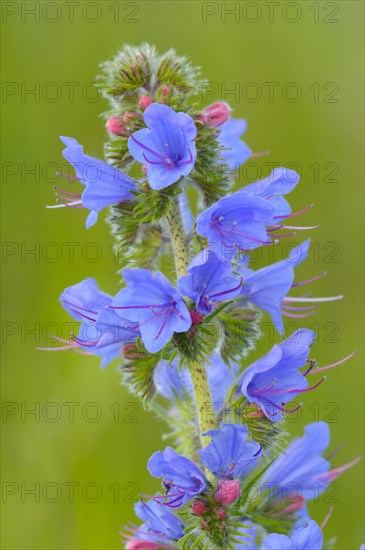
(196, 317)
(217, 113)
(165, 91)
(222, 514)
(199, 508)
(129, 115)
(228, 491)
(145, 101)
(116, 126)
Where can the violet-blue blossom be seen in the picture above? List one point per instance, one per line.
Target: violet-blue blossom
(166, 147)
(160, 527)
(230, 454)
(182, 478)
(267, 287)
(209, 280)
(154, 304)
(307, 536)
(275, 379)
(280, 182)
(235, 152)
(104, 184)
(102, 331)
(237, 222)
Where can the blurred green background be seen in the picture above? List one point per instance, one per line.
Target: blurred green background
(306, 61)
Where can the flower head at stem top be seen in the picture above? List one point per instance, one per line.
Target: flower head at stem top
(166, 147)
(104, 184)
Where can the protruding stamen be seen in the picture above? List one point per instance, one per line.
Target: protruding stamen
(227, 291)
(334, 453)
(261, 154)
(316, 278)
(147, 148)
(305, 299)
(325, 521)
(309, 389)
(334, 364)
(295, 213)
(334, 474)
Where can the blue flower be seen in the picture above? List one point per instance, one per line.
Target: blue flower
(280, 182)
(104, 184)
(171, 381)
(102, 332)
(267, 287)
(235, 151)
(299, 468)
(182, 478)
(307, 536)
(230, 455)
(209, 282)
(160, 527)
(237, 222)
(275, 379)
(156, 306)
(166, 147)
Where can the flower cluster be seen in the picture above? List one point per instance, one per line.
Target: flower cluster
(229, 478)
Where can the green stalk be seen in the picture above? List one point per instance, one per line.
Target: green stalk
(203, 399)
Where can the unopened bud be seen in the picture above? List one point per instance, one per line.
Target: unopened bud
(145, 101)
(228, 491)
(139, 544)
(196, 317)
(217, 113)
(199, 508)
(116, 126)
(129, 115)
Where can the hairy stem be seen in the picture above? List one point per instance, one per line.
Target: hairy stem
(203, 399)
(178, 239)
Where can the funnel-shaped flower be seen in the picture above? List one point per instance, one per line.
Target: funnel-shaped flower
(237, 222)
(267, 287)
(182, 478)
(230, 454)
(307, 536)
(104, 184)
(102, 332)
(209, 281)
(166, 147)
(275, 379)
(235, 152)
(280, 182)
(150, 301)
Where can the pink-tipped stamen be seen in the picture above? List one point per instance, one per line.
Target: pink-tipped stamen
(73, 178)
(260, 154)
(304, 308)
(298, 315)
(334, 364)
(63, 192)
(334, 474)
(325, 521)
(316, 278)
(293, 214)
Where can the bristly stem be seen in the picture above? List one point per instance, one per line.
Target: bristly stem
(203, 399)
(178, 239)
